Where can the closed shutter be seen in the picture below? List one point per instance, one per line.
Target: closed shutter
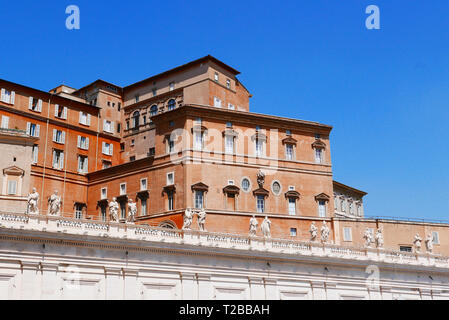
(86, 165)
(61, 161)
(38, 130)
(39, 105)
(35, 153)
(112, 126)
(3, 95)
(111, 149)
(13, 97)
(56, 110)
(103, 147)
(81, 117)
(28, 128)
(63, 137)
(55, 163)
(79, 142)
(30, 103)
(87, 143)
(54, 135)
(88, 119)
(64, 113)
(5, 122)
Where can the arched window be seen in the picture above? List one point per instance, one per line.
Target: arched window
(171, 104)
(135, 119)
(153, 110)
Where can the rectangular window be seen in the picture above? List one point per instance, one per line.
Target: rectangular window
(229, 142)
(60, 112)
(347, 234)
(436, 238)
(12, 187)
(170, 178)
(35, 104)
(84, 118)
(199, 199)
(58, 159)
(319, 155)
(228, 83)
(199, 141)
(143, 184)
(217, 102)
(79, 211)
(143, 207)
(405, 248)
(322, 208)
(172, 86)
(59, 136)
(122, 189)
(35, 154)
(291, 206)
(231, 106)
(137, 98)
(5, 122)
(171, 146)
(289, 151)
(83, 166)
(260, 204)
(293, 232)
(122, 210)
(108, 148)
(33, 129)
(171, 204)
(106, 164)
(104, 193)
(132, 158)
(8, 96)
(216, 77)
(259, 148)
(154, 92)
(83, 143)
(108, 126)
(152, 152)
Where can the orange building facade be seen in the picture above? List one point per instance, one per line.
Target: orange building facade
(186, 139)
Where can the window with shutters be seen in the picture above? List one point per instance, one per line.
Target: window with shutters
(83, 143)
(5, 122)
(33, 129)
(7, 96)
(35, 154)
(35, 104)
(58, 159)
(85, 118)
(83, 166)
(61, 112)
(108, 126)
(107, 148)
(217, 102)
(106, 164)
(59, 136)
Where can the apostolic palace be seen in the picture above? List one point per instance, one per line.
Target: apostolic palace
(170, 188)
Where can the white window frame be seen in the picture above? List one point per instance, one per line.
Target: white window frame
(5, 122)
(146, 184)
(123, 188)
(322, 205)
(7, 96)
(10, 184)
(229, 144)
(84, 118)
(85, 145)
(319, 155)
(260, 199)
(347, 236)
(293, 232)
(104, 193)
(85, 164)
(59, 165)
(35, 154)
(36, 129)
(290, 201)
(63, 114)
(108, 126)
(58, 133)
(199, 199)
(107, 151)
(217, 102)
(169, 183)
(435, 233)
(289, 155)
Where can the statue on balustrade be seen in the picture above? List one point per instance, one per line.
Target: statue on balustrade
(113, 210)
(33, 199)
(368, 236)
(132, 211)
(253, 226)
(188, 218)
(313, 232)
(325, 233)
(417, 242)
(201, 220)
(266, 228)
(379, 238)
(54, 204)
(429, 243)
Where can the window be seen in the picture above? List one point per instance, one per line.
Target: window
(170, 145)
(33, 129)
(143, 184)
(292, 206)
(5, 122)
(231, 182)
(198, 140)
(153, 110)
(103, 213)
(322, 208)
(137, 98)
(12, 187)
(79, 211)
(135, 119)
(228, 83)
(132, 158)
(108, 126)
(172, 86)
(347, 234)
(127, 124)
(119, 106)
(106, 164)
(319, 155)
(170, 178)
(170, 200)
(104, 193)
(58, 159)
(84, 118)
(231, 106)
(143, 207)
(60, 112)
(122, 189)
(59, 136)
(260, 203)
(122, 146)
(122, 210)
(83, 166)
(119, 126)
(289, 151)
(8, 96)
(246, 184)
(228, 124)
(171, 105)
(317, 136)
(154, 92)
(152, 152)
(35, 153)
(35, 104)
(405, 248)
(199, 197)
(291, 188)
(229, 143)
(216, 77)
(217, 102)
(144, 120)
(288, 132)
(293, 232)
(108, 148)
(171, 123)
(435, 237)
(259, 148)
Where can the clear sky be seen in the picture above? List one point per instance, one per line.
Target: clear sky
(385, 92)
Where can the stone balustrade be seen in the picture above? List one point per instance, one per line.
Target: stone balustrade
(54, 224)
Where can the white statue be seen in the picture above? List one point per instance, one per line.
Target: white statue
(379, 238)
(253, 226)
(201, 220)
(325, 232)
(132, 211)
(266, 228)
(113, 209)
(417, 242)
(429, 243)
(33, 199)
(188, 218)
(54, 204)
(368, 236)
(313, 232)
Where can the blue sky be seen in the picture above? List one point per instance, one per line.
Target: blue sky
(386, 92)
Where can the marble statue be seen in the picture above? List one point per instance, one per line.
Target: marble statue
(429, 243)
(253, 226)
(113, 210)
(417, 242)
(33, 199)
(201, 220)
(368, 236)
(54, 204)
(313, 232)
(132, 211)
(260, 178)
(188, 218)
(325, 232)
(379, 238)
(266, 228)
